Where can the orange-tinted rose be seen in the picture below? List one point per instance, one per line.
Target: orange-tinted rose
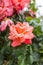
(21, 33)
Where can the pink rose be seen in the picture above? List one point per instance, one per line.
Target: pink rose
(20, 4)
(6, 8)
(5, 23)
(21, 33)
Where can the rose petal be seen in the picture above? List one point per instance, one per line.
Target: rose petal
(28, 41)
(3, 26)
(15, 43)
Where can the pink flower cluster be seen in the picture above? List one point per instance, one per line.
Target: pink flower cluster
(7, 7)
(21, 32)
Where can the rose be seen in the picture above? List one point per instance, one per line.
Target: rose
(6, 22)
(21, 33)
(6, 8)
(20, 4)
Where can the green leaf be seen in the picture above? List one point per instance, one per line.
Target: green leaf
(21, 60)
(1, 59)
(29, 19)
(31, 59)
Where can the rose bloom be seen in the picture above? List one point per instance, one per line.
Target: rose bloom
(20, 4)
(6, 22)
(21, 33)
(6, 8)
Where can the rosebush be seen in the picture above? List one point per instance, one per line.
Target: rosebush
(21, 33)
